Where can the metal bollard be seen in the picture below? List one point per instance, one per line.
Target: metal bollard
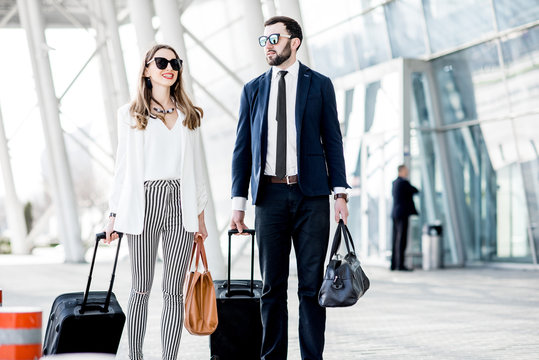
(432, 246)
(20, 333)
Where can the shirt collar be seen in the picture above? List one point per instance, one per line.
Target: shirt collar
(292, 70)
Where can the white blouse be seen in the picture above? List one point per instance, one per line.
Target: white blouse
(162, 150)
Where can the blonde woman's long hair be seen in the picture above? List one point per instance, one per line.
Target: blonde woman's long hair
(140, 107)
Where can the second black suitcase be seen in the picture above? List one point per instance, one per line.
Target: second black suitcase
(86, 322)
(239, 333)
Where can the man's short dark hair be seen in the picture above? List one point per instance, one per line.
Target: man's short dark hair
(290, 24)
(401, 167)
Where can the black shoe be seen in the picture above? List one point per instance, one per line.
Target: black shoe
(404, 268)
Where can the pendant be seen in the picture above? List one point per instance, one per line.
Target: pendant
(161, 111)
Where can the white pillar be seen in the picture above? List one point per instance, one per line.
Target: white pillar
(291, 9)
(30, 13)
(168, 12)
(268, 8)
(105, 72)
(14, 211)
(141, 17)
(253, 21)
(115, 52)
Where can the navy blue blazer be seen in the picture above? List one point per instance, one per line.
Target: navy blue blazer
(403, 202)
(319, 145)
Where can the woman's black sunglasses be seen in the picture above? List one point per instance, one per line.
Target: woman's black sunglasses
(162, 63)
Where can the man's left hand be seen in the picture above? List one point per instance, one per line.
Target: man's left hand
(341, 210)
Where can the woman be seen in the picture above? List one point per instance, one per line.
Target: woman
(158, 191)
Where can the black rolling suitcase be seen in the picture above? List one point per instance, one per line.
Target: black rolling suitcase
(239, 333)
(86, 322)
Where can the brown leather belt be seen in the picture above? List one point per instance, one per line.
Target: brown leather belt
(290, 180)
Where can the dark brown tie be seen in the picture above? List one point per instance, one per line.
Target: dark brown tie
(280, 168)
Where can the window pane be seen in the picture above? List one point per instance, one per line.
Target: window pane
(471, 84)
(527, 133)
(371, 38)
(318, 16)
(521, 57)
(453, 23)
(511, 13)
(406, 33)
(334, 51)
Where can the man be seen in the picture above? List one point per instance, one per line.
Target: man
(403, 207)
(289, 146)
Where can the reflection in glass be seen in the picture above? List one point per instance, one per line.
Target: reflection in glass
(527, 135)
(406, 14)
(521, 58)
(474, 182)
(371, 148)
(471, 84)
(512, 221)
(317, 16)
(334, 52)
(371, 38)
(512, 13)
(453, 23)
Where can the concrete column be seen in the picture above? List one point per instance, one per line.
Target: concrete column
(30, 13)
(169, 14)
(253, 27)
(115, 52)
(15, 215)
(268, 8)
(172, 29)
(291, 9)
(141, 17)
(107, 85)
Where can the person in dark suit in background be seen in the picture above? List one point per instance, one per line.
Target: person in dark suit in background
(403, 207)
(289, 147)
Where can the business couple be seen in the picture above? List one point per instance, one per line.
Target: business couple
(288, 147)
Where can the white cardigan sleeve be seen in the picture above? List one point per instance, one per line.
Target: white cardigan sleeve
(202, 194)
(120, 163)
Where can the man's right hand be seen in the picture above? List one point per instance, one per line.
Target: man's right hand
(238, 217)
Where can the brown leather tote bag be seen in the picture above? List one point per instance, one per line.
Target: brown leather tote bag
(200, 302)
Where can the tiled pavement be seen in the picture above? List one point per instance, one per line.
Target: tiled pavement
(466, 313)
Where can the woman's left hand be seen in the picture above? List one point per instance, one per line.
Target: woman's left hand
(202, 232)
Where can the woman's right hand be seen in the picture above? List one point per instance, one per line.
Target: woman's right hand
(109, 231)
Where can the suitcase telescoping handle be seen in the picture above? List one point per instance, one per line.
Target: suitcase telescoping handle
(98, 237)
(245, 231)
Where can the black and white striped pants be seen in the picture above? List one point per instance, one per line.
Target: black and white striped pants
(162, 219)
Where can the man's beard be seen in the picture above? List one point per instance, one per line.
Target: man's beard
(282, 57)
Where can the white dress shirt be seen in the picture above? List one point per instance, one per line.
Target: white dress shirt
(162, 149)
(291, 81)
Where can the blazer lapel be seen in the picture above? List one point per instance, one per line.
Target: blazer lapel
(263, 100)
(304, 83)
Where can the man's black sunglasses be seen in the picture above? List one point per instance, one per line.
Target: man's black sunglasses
(162, 63)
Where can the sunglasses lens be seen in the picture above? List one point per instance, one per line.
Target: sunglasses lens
(262, 41)
(161, 63)
(175, 64)
(274, 39)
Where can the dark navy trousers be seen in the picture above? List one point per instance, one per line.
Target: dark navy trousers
(284, 216)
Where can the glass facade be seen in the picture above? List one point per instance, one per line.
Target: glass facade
(463, 114)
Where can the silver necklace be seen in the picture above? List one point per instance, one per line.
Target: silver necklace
(161, 111)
